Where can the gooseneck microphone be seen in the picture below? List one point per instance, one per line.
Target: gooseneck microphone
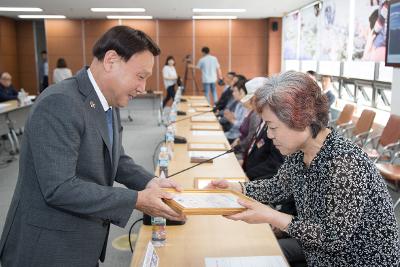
(189, 117)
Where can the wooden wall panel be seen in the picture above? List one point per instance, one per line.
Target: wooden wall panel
(8, 49)
(176, 39)
(274, 56)
(249, 47)
(93, 30)
(64, 40)
(26, 57)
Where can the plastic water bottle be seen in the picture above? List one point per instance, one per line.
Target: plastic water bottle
(163, 161)
(169, 139)
(158, 235)
(173, 113)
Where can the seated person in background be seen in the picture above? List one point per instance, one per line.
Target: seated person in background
(237, 116)
(7, 90)
(327, 89)
(345, 214)
(313, 75)
(227, 93)
(251, 122)
(231, 105)
(61, 72)
(261, 159)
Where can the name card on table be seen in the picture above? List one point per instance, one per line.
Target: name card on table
(256, 261)
(151, 258)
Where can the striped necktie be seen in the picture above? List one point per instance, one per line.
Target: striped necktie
(109, 116)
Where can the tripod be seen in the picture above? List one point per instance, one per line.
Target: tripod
(188, 61)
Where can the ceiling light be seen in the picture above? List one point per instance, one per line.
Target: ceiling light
(112, 9)
(214, 17)
(21, 9)
(128, 17)
(218, 10)
(41, 16)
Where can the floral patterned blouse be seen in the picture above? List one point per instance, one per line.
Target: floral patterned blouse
(345, 215)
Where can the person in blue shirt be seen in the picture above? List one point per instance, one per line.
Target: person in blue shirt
(7, 90)
(239, 114)
(210, 71)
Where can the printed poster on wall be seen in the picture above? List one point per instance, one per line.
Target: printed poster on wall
(309, 34)
(334, 30)
(370, 30)
(291, 36)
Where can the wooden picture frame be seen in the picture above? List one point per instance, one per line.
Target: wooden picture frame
(201, 182)
(207, 146)
(197, 97)
(202, 109)
(200, 104)
(206, 202)
(206, 127)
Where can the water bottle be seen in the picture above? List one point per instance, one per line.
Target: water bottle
(163, 161)
(173, 113)
(169, 139)
(158, 235)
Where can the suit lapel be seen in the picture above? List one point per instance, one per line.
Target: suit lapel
(116, 140)
(94, 107)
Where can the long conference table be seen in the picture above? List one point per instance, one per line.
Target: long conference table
(205, 236)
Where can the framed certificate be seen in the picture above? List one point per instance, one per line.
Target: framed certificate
(202, 182)
(205, 118)
(203, 109)
(206, 202)
(208, 146)
(200, 104)
(208, 127)
(197, 97)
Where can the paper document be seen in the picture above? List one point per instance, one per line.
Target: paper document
(208, 146)
(208, 133)
(204, 118)
(4, 105)
(256, 261)
(206, 154)
(207, 201)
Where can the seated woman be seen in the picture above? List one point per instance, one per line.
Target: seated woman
(345, 215)
(237, 116)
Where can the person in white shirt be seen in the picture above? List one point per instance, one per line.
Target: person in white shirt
(62, 72)
(170, 77)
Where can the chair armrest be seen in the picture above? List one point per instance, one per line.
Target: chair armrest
(391, 146)
(373, 140)
(362, 137)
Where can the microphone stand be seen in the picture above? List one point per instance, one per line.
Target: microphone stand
(202, 162)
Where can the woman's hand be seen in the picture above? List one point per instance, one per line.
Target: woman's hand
(224, 184)
(255, 213)
(259, 213)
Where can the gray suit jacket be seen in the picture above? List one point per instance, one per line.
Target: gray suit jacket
(64, 200)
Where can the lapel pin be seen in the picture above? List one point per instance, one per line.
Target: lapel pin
(92, 104)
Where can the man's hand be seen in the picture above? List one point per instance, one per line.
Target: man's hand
(163, 183)
(229, 116)
(150, 201)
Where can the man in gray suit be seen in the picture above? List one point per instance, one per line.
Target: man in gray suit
(71, 154)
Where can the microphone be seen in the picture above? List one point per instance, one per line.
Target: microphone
(234, 149)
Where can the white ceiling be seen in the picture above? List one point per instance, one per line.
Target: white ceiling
(162, 9)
